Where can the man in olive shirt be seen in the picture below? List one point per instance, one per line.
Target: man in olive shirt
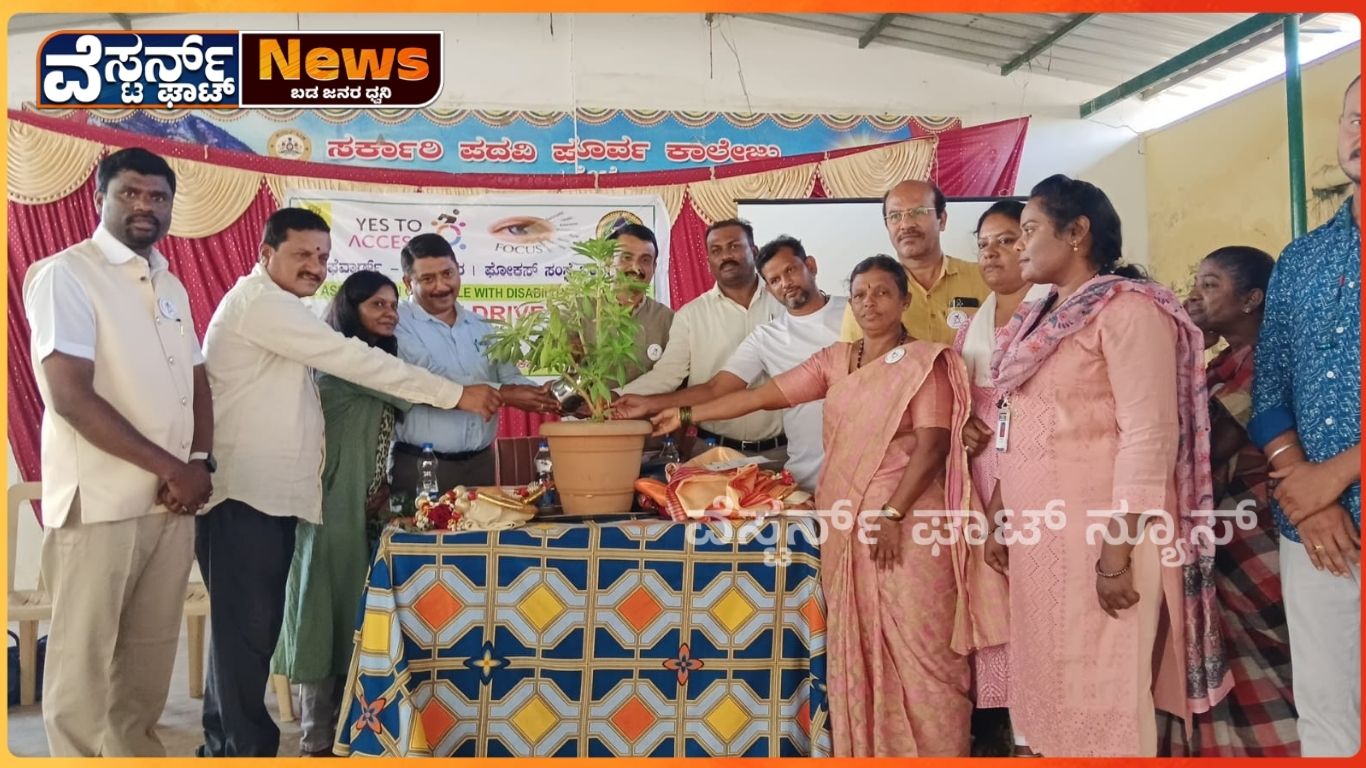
(945, 292)
(637, 252)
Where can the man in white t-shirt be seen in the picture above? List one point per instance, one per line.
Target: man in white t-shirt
(811, 324)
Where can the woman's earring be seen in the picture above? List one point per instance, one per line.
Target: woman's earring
(1074, 245)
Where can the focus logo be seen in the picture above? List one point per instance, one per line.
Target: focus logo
(341, 69)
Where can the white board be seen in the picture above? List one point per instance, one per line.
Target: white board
(841, 233)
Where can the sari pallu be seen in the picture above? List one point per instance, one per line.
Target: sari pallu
(1257, 719)
(1192, 609)
(898, 675)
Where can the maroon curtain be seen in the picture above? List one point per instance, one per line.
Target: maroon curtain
(981, 161)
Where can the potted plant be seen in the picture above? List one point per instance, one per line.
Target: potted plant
(586, 336)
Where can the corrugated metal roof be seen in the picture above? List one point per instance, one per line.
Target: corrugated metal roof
(1105, 49)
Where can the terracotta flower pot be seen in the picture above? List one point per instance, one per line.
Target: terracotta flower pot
(596, 463)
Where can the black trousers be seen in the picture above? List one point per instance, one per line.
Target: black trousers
(406, 474)
(244, 555)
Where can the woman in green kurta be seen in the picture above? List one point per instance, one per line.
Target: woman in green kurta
(328, 573)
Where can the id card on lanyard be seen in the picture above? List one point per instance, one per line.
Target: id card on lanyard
(1003, 423)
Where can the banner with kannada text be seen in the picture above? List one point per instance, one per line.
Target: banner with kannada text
(470, 141)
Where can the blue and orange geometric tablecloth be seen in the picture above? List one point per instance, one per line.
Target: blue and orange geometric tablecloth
(639, 638)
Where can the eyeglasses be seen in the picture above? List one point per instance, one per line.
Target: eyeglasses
(895, 217)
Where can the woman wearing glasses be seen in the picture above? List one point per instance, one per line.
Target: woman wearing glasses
(898, 626)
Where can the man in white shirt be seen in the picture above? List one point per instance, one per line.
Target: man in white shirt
(263, 345)
(127, 426)
(811, 324)
(706, 332)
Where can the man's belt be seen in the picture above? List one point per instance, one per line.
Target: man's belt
(757, 446)
(407, 449)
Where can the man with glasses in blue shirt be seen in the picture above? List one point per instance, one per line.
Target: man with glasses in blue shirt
(436, 333)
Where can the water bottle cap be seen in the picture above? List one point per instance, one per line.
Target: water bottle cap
(668, 441)
(426, 446)
(544, 444)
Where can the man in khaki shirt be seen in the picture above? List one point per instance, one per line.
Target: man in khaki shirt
(637, 253)
(125, 439)
(945, 292)
(706, 332)
(263, 346)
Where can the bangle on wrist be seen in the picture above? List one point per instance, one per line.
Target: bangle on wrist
(1278, 452)
(1114, 575)
(685, 415)
(892, 513)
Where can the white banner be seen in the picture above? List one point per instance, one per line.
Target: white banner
(509, 247)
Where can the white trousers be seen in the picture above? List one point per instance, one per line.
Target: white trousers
(1323, 612)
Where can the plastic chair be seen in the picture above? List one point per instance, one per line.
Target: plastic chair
(27, 606)
(514, 460)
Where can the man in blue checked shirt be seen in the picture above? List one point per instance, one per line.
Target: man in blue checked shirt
(1306, 418)
(438, 334)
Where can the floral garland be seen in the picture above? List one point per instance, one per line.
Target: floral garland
(451, 507)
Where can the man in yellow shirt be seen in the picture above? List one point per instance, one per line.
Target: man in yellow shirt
(945, 292)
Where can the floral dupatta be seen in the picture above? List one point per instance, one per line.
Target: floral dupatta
(1020, 355)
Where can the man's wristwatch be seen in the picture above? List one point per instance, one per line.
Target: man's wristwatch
(207, 458)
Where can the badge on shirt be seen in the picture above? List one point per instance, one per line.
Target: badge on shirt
(965, 302)
(957, 319)
(895, 355)
(167, 309)
(654, 352)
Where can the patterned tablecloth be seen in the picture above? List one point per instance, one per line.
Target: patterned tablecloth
(640, 638)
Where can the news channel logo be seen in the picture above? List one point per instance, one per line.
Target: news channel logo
(227, 69)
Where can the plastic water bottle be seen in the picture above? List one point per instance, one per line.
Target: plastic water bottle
(544, 476)
(430, 487)
(669, 453)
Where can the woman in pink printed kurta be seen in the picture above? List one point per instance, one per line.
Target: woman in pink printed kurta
(898, 628)
(1105, 414)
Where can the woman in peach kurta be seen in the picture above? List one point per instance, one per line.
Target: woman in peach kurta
(1106, 417)
(898, 629)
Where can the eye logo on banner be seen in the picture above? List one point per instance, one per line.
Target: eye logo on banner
(224, 69)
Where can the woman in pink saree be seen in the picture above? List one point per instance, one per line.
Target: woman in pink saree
(898, 623)
(1104, 413)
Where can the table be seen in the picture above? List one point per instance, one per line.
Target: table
(636, 638)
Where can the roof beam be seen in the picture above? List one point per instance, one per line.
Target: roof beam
(1271, 33)
(1181, 62)
(1045, 44)
(876, 29)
